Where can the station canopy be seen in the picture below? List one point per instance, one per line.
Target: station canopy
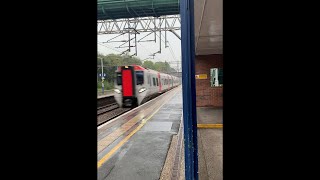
(118, 9)
(208, 27)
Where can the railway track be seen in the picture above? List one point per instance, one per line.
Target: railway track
(105, 101)
(107, 108)
(108, 115)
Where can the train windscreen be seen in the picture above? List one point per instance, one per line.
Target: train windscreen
(119, 79)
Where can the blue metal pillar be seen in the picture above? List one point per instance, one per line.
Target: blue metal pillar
(188, 89)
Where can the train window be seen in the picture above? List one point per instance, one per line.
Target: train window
(154, 81)
(157, 81)
(139, 75)
(119, 79)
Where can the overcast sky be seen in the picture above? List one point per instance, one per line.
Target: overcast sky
(145, 48)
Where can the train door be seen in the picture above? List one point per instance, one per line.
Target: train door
(159, 82)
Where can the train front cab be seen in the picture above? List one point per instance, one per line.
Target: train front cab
(129, 85)
(126, 78)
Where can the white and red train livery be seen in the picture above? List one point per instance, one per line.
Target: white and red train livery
(135, 84)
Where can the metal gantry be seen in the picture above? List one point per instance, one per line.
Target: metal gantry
(130, 27)
(144, 24)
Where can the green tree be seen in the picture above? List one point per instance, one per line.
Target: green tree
(162, 67)
(148, 64)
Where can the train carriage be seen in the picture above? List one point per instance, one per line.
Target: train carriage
(135, 85)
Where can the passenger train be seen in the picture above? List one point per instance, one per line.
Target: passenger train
(134, 85)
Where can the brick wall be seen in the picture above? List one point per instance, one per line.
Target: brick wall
(207, 95)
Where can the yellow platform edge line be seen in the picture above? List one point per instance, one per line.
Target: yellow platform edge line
(209, 126)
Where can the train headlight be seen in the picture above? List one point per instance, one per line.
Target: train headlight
(117, 91)
(142, 89)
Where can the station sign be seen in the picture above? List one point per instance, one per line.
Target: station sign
(201, 76)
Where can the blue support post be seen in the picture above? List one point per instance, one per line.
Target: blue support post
(189, 90)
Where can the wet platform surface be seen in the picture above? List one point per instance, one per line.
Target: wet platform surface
(135, 146)
(210, 144)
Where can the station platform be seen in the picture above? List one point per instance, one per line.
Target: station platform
(210, 143)
(106, 93)
(136, 145)
(209, 146)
